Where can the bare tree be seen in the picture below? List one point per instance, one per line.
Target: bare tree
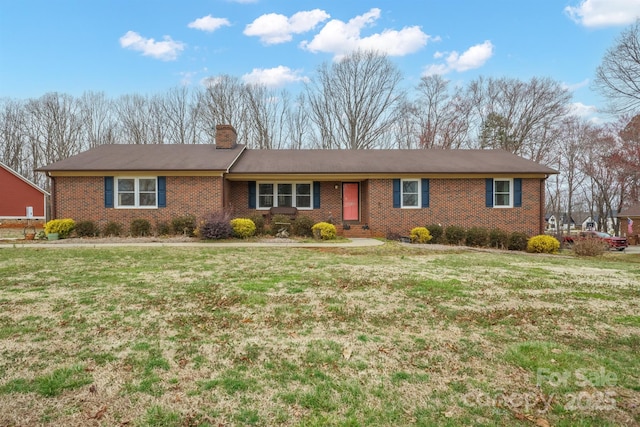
(520, 117)
(442, 119)
(354, 102)
(618, 76)
(298, 123)
(13, 141)
(180, 111)
(267, 116)
(223, 102)
(132, 112)
(98, 121)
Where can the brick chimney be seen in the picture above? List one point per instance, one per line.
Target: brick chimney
(225, 136)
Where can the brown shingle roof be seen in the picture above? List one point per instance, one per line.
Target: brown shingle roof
(132, 157)
(633, 210)
(384, 162)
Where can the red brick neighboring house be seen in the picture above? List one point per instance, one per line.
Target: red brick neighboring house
(633, 213)
(364, 192)
(17, 193)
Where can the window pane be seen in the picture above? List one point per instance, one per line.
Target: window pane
(285, 189)
(147, 199)
(410, 187)
(303, 201)
(147, 185)
(502, 186)
(126, 184)
(502, 200)
(409, 200)
(303, 189)
(126, 199)
(264, 189)
(265, 201)
(285, 200)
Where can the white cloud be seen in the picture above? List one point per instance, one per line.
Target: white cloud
(209, 23)
(340, 38)
(581, 110)
(274, 28)
(166, 50)
(604, 13)
(273, 77)
(474, 57)
(575, 86)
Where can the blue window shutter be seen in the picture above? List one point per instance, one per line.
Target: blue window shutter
(489, 192)
(517, 192)
(108, 191)
(425, 193)
(316, 195)
(252, 194)
(396, 193)
(162, 191)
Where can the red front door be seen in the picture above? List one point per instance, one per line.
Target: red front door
(350, 201)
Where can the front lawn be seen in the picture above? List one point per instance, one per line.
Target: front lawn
(390, 335)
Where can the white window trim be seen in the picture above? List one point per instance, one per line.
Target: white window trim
(419, 205)
(275, 194)
(136, 192)
(510, 205)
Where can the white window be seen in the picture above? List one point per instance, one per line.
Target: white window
(410, 193)
(287, 194)
(503, 193)
(136, 192)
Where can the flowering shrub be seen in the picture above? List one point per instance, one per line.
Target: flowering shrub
(543, 244)
(324, 231)
(63, 227)
(243, 227)
(420, 235)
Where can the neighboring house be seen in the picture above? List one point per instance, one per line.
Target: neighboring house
(553, 223)
(365, 192)
(631, 213)
(20, 199)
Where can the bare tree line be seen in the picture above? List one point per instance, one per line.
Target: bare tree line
(357, 103)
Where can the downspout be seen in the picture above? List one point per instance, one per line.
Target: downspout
(542, 200)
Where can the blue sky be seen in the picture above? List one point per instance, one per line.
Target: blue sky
(140, 46)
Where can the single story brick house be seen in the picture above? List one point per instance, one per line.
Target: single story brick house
(364, 192)
(20, 199)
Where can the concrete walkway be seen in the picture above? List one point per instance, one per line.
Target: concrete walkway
(60, 244)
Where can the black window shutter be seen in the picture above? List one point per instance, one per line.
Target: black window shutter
(108, 191)
(316, 195)
(489, 192)
(425, 193)
(162, 191)
(517, 192)
(252, 194)
(396, 193)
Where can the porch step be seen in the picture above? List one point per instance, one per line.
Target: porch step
(355, 231)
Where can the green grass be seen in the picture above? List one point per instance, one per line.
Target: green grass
(383, 336)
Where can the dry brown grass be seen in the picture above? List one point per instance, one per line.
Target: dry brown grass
(368, 336)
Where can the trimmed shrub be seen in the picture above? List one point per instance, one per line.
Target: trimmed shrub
(258, 221)
(163, 228)
(243, 227)
(543, 244)
(324, 231)
(302, 226)
(63, 227)
(517, 241)
(420, 235)
(477, 236)
(436, 232)
(498, 238)
(184, 225)
(454, 235)
(590, 247)
(216, 226)
(112, 229)
(87, 229)
(140, 228)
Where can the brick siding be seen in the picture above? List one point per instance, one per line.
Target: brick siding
(82, 199)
